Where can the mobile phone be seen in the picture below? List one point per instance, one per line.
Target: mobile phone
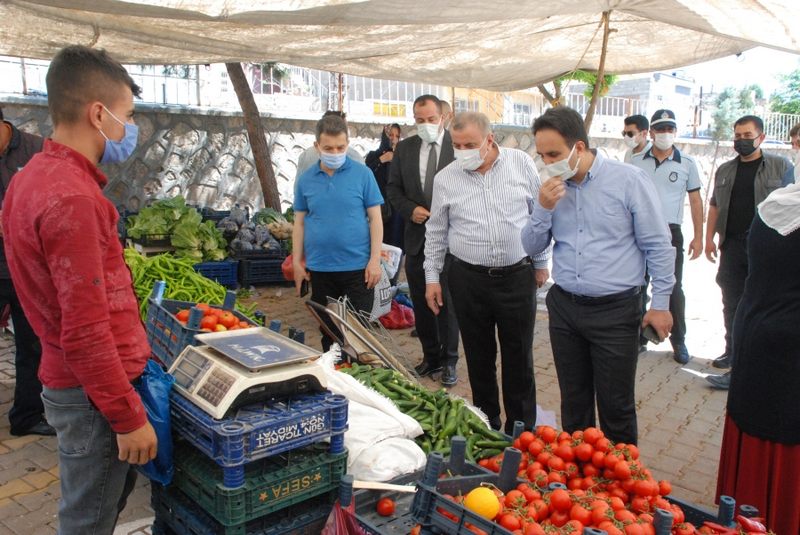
(651, 335)
(304, 288)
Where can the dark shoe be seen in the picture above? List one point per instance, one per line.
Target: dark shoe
(449, 377)
(426, 368)
(720, 382)
(414, 333)
(680, 354)
(495, 423)
(722, 362)
(39, 428)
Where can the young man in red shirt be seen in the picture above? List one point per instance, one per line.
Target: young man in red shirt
(66, 264)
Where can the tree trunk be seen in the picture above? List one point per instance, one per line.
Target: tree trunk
(600, 74)
(257, 136)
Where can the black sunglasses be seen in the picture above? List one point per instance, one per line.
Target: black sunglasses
(628, 134)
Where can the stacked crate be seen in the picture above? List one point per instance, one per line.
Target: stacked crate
(265, 468)
(262, 470)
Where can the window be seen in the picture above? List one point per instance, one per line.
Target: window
(522, 114)
(466, 105)
(683, 90)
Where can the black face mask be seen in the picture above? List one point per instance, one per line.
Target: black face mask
(745, 147)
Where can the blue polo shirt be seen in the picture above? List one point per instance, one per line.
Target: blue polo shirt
(336, 234)
(673, 178)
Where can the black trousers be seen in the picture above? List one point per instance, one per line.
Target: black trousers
(491, 308)
(337, 284)
(27, 409)
(731, 274)
(595, 352)
(677, 300)
(438, 335)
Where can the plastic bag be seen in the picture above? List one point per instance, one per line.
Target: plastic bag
(382, 301)
(288, 268)
(153, 387)
(399, 317)
(342, 521)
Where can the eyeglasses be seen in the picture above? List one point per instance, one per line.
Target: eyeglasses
(628, 134)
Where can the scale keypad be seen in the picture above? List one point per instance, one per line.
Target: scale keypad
(216, 386)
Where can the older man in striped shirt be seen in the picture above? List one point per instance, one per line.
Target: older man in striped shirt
(480, 204)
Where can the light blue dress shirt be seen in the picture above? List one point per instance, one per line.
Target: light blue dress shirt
(605, 231)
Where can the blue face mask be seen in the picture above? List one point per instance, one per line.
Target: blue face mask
(119, 151)
(331, 160)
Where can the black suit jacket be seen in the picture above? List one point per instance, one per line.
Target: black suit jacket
(404, 187)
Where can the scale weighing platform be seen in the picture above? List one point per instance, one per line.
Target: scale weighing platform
(245, 366)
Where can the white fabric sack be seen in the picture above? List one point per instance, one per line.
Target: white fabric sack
(376, 427)
(394, 457)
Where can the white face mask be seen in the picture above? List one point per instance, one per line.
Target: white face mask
(631, 142)
(428, 132)
(470, 159)
(664, 141)
(560, 168)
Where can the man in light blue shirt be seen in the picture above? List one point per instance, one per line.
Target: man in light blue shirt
(605, 220)
(674, 175)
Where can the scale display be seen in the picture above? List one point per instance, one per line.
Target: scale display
(245, 367)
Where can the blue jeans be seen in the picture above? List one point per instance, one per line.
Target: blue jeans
(95, 484)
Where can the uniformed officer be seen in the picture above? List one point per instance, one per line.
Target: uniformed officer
(674, 175)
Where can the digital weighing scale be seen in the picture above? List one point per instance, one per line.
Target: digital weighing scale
(236, 368)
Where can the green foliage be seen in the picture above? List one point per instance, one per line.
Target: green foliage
(159, 218)
(731, 104)
(590, 79)
(787, 98)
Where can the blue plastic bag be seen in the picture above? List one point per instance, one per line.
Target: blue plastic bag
(153, 388)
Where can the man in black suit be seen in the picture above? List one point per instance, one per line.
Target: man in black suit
(416, 161)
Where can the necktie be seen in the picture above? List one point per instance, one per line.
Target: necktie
(430, 170)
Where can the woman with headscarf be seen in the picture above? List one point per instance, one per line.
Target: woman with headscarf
(760, 457)
(379, 161)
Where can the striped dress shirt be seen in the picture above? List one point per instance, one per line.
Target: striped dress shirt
(478, 218)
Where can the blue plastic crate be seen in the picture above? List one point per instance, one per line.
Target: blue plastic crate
(176, 514)
(224, 272)
(260, 271)
(270, 485)
(166, 335)
(257, 431)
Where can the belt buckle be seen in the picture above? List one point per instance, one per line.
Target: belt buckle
(496, 272)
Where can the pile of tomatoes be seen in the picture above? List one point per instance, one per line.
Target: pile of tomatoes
(214, 319)
(608, 487)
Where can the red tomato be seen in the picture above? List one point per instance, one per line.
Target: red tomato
(600, 511)
(560, 500)
(581, 514)
(514, 498)
(622, 470)
(204, 307)
(546, 433)
(538, 477)
(584, 452)
(633, 451)
(509, 521)
(559, 518)
(556, 477)
(683, 529)
(590, 470)
(640, 504)
(664, 487)
(182, 315)
(599, 459)
(610, 528)
(244, 325)
(228, 319)
(592, 435)
(564, 450)
(572, 527)
(535, 447)
(385, 507)
(415, 530)
(677, 514)
(525, 439)
(529, 493)
(602, 444)
(208, 322)
(534, 528)
(556, 463)
(576, 483)
(538, 510)
(634, 528)
(616, 503)
(623, 515)
(645, 487)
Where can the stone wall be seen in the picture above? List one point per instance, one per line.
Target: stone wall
(205, 156)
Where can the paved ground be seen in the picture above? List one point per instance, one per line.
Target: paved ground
(680, 418)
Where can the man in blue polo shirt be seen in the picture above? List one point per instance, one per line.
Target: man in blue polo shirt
(337, 227)
(674, 175)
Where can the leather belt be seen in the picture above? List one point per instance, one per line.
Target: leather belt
(600, 300)
(495, 272)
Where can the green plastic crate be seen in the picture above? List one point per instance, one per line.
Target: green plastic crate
(271, 484)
